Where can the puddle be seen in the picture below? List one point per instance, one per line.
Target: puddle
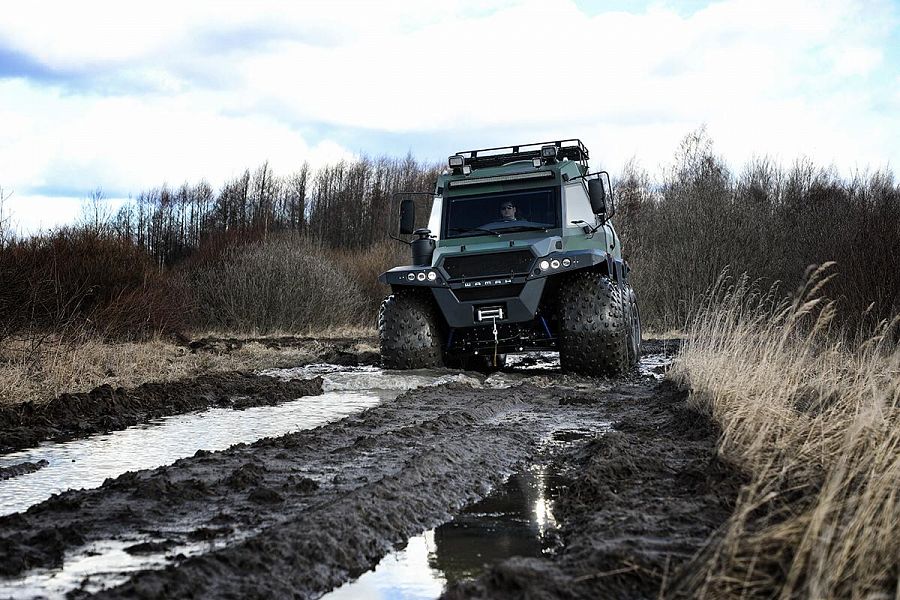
(105, 560)
(655, 365)
(336, 378)
(101, 565)
(87, 462)
(533, 361)
(515, 520)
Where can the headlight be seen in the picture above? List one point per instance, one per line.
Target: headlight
(554, 263)
(432, 275)
(544, 265)
(411, 276)
(421, 276)
(566, 262)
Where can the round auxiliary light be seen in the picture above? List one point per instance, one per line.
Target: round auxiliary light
(411, 276)
(432, 275)
(566, 262)
(421, 276)
(554, 263)
(544, 265)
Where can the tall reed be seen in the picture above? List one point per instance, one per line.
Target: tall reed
(813, 416)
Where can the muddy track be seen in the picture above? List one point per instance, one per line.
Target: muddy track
(106, 408)
(297, 515)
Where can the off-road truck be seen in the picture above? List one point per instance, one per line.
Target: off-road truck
(519, 254)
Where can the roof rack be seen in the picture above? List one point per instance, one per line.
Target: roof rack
(572, 149)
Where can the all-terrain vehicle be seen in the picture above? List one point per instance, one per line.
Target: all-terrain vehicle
(519, 254)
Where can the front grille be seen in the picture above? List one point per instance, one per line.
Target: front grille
(495, 264)
(491, 292)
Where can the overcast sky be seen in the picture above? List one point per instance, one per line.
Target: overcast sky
(124, 96)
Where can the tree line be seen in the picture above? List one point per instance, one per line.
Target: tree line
(349, 204)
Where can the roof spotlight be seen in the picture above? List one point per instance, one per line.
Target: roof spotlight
(549, 153)
(467, 169)
(456, 161)
(537, 162)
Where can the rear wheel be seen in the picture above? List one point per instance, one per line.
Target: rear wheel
(409, 332)
(596, 326)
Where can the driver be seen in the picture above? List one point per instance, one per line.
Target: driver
(508, 211)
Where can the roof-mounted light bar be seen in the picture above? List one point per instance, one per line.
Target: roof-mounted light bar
(571, 149)
(502, 178)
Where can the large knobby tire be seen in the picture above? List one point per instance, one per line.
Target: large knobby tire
(409, 332)
(596, 333)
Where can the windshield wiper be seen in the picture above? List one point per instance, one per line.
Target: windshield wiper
(525, 228)
(473, 230)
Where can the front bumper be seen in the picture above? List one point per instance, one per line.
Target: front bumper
(462, 306)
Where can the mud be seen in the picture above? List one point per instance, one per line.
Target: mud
(300, 514)
(639, 503)
(21, 468)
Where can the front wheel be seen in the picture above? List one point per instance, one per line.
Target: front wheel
(409, 332)
(596, 326)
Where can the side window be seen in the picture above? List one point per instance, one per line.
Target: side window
(434, 221)
(577, 205)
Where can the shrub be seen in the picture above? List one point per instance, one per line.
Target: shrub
(286, 283)
(80, 278)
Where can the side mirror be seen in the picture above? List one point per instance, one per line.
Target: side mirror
(597, 194)
(407, 217)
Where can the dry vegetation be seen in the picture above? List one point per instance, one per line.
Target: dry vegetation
(39, 372)
(814, 420)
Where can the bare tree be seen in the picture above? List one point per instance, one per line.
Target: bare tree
(5, 234)
(96, 214)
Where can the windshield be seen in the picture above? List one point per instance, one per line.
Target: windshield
(504, 212)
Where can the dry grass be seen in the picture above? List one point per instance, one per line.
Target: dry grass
(58, 365)
(815, 422)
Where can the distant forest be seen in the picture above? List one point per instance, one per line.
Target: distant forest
(350, 204)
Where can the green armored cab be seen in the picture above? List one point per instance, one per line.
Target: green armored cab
(519, 254)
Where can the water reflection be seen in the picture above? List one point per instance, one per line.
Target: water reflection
(515, 520)
(87, 462)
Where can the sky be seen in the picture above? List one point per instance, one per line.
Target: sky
(125, 96)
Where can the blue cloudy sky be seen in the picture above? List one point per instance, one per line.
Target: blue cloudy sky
(124, 96)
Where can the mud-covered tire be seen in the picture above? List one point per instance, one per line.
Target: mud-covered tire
(595, 335)
(409, 332)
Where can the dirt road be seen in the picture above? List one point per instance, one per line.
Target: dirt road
(635, 491)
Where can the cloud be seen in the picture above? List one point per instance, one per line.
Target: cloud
(129, 96)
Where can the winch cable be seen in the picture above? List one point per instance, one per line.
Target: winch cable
(496, 341)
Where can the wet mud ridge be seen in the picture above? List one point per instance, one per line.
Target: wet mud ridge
(106, 408)
(298, 515)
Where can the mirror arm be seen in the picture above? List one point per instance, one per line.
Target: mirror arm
(399, 239)
(587, 229)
